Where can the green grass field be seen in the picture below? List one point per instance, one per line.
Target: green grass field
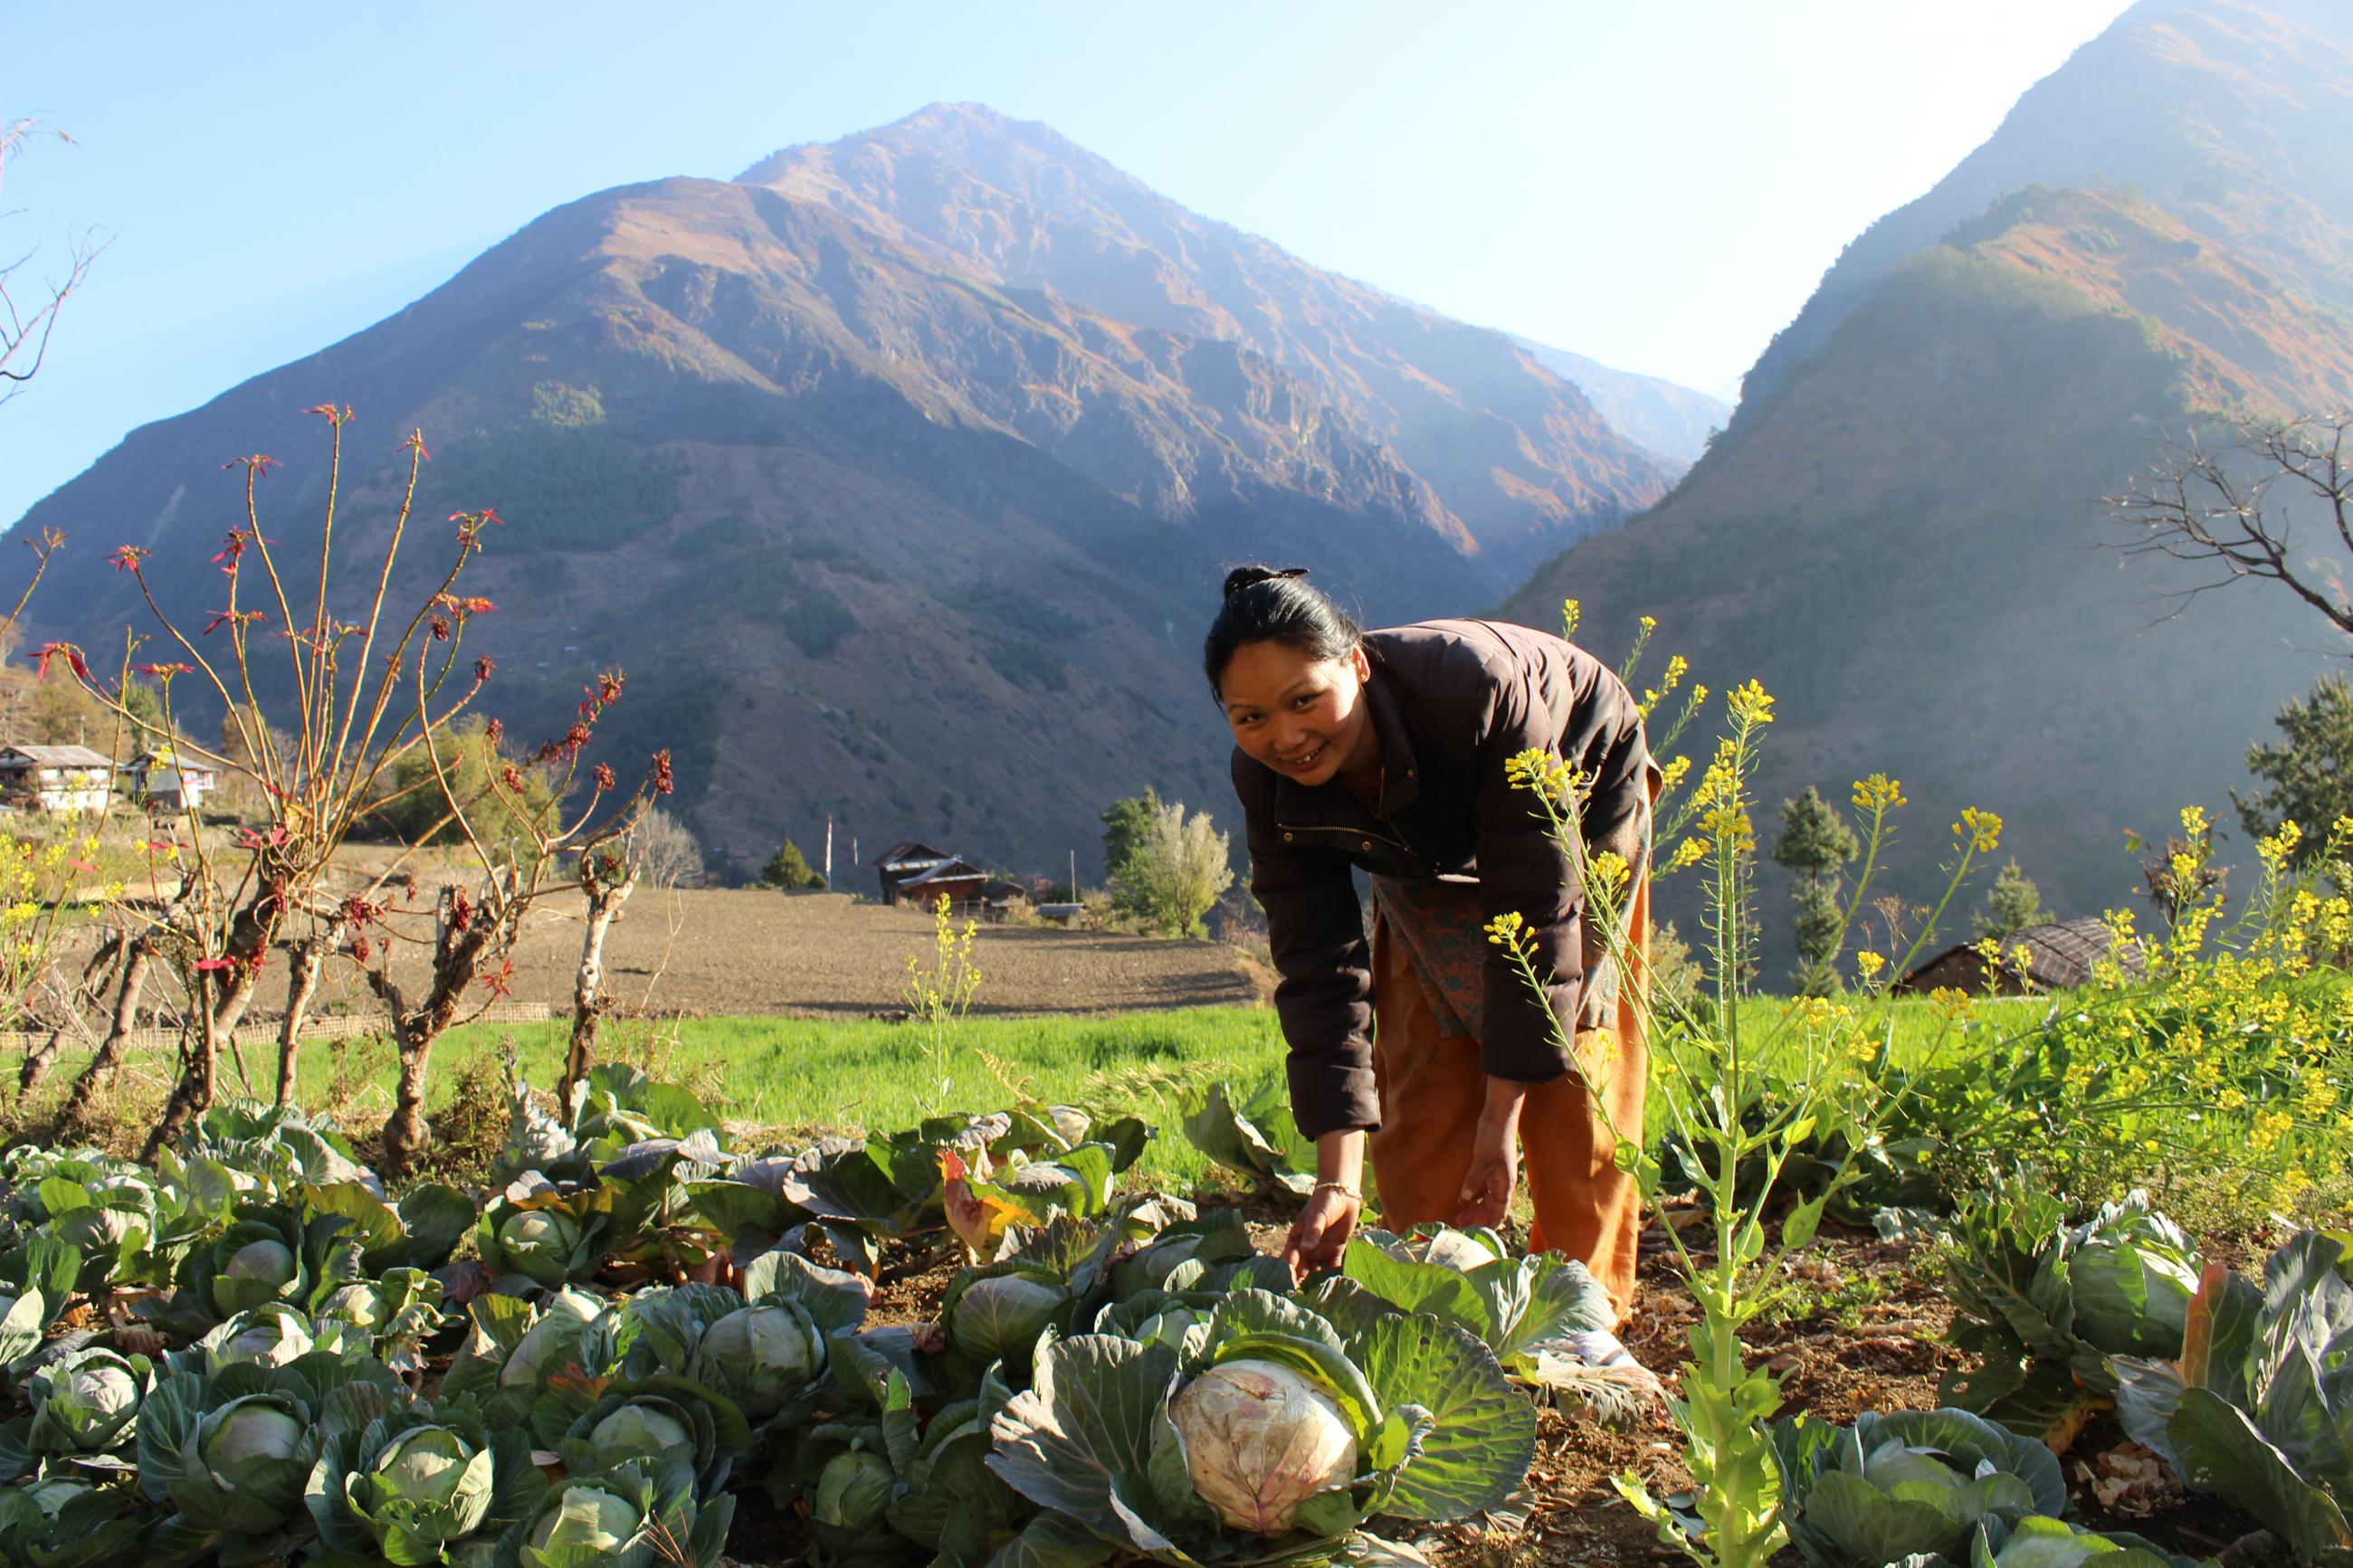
(796, 1078)
(788, 1079)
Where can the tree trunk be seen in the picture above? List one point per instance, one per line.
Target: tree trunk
(137, 959)
(304, 962)
(588, 1001)
(199, 1078)
(95, 978)
(406, 1134)
(457, 957)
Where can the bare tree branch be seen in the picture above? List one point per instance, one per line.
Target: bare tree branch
(2215, 506)
(25, 337)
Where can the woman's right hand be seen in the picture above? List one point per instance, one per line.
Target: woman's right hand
(1320, 1235)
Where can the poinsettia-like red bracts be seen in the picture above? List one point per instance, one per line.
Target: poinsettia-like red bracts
(65, 650)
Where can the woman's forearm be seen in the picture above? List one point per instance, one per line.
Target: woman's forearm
(1501, 1112)
(1340, 1160)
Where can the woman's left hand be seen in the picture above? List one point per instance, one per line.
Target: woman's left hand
(1495, 1173)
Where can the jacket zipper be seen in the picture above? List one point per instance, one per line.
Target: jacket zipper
(1396, 841)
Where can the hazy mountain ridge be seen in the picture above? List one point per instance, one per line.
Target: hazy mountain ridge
(1901, 536)
(1663, 415)
(1512, 448)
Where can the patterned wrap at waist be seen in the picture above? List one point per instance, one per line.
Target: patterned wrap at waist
(1443, 930)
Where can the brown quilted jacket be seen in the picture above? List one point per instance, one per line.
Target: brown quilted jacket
(1452, 702)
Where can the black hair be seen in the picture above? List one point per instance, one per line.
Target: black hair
(1268, 604)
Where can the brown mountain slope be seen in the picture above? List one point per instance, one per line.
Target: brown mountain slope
(1902, 544)
(2235, 116)
(1513, 449)
(871, 538)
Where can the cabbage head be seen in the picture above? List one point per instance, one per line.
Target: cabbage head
(586, 1523)
(552, 1340)
(999, 1317)
(272, 1334)
(428, 1486)
(643, 1430)
(1447, 1247)
(268, 1264)
(1909, 1482)
(2132, 1273)
(86, 1404)
(761, 1356)
(1260, 1438)
(539, 1243)
(260, 1258)
(853, 1491)
(258, 1447)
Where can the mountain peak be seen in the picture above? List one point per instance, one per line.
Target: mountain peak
(971, 135)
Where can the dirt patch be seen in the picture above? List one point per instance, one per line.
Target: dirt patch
(740, 951)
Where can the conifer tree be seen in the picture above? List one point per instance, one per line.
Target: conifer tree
(2012, 904)
(1814, 843)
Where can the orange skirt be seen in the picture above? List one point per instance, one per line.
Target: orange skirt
(1433, 1092)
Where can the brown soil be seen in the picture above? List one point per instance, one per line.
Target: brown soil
(722, 951)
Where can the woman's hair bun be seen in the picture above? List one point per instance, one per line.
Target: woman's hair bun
(1242, 577)
(1292, 611)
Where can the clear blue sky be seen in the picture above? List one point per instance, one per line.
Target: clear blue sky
(1657, 185)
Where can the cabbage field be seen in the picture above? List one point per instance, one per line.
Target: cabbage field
(976, 1342)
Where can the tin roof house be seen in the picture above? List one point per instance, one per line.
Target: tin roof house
(56, 778)
(166, 783)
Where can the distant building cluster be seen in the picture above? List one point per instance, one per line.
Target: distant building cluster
(72, 780)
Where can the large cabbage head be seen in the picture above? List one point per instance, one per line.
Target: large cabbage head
(256, 1446)
(760, 1357)
(88, 1403)
(272, 1334)
(853, 1491)
(581, 1520)
(643, 1430)
(552, 1342)
(1000, 1317)
(2131, 1279)
(429, 1483)
(1260, 1439)
(265, 1263)
(538, 1244)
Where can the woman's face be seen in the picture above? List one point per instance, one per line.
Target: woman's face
(1305, 718)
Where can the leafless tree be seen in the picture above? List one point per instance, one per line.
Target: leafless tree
(662, 851)
(24, 327)
(2225, 506)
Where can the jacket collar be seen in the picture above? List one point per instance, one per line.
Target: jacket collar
(1401, 784)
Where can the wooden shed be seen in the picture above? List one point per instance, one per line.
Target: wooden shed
(2060, 956)
(961, 880)
(915, 872)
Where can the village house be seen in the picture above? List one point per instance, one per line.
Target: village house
(161, 781)
(914, 872)
(2060, 957)
(54, 778)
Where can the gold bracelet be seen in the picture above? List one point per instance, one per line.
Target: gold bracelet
(1343, 1188)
